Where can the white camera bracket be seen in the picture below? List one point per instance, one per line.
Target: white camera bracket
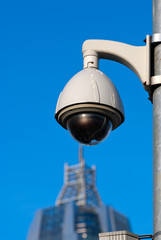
(155, 41)
(137, 58)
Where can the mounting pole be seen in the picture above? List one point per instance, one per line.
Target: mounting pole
(156, 39)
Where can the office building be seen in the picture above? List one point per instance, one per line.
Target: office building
(79, 213)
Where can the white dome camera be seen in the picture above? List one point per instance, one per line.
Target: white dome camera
(89, 107)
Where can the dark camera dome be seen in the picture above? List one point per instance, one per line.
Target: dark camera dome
(89, 128)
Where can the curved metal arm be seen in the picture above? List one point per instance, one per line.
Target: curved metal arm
(135, 58)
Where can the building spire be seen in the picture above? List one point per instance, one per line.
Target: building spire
(79, 184)
(80, 154)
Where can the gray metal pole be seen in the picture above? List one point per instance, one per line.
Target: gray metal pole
(157, 126)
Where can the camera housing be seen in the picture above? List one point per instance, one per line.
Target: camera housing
(89, 107)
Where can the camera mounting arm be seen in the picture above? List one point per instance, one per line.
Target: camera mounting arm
(137, 58)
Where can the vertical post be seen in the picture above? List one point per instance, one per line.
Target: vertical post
(157, 125)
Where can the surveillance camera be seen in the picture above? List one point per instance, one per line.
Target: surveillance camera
(89, 107)
(89, 128)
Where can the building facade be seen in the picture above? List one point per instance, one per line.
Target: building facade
(79, 212)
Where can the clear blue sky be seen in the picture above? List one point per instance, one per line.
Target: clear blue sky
(40, 50)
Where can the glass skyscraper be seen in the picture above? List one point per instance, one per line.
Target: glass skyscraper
(79, 213)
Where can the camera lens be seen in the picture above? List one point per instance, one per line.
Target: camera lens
(89, 128)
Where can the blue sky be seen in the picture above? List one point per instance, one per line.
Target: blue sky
(40, 50)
